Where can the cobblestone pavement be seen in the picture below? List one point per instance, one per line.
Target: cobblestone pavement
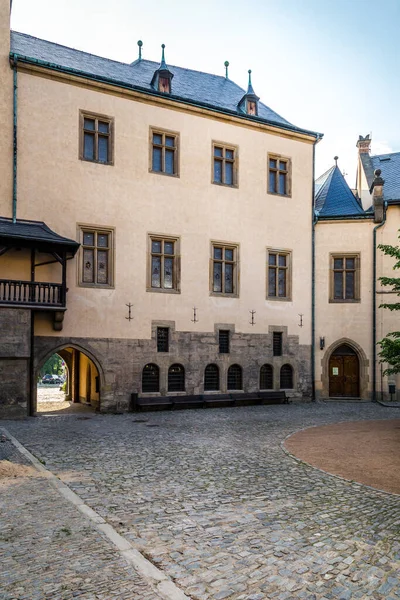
(210, 498)
(49, 551)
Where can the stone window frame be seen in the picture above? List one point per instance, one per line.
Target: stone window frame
(176, 148)
(85, 114)
(236, 267)
(280, 158)
(96, 230)
(357, 277)
(224, 160)
(176, 289)
(289, 273)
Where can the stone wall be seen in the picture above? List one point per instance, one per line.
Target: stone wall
(15, 326)
(120, 361)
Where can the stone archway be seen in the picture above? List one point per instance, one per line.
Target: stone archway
(81, 364)
(363, 363)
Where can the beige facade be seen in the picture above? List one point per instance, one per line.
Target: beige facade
(130, 204)
(154, 238)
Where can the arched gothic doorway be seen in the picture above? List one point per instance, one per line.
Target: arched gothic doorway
(344, 373)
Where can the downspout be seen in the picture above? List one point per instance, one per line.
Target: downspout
(314, 222)
(374, 305)
(15, 124)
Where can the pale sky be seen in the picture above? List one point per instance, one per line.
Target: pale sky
(331, 66)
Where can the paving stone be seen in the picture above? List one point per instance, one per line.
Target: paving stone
(212, 499)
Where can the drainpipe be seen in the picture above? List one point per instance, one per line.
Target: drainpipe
(314, 222)
(15, 122)
(374, 304)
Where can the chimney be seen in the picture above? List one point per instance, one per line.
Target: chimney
(364, 144)
(376, 190)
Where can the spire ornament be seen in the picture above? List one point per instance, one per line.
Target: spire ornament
(162, 77)
(249, 103)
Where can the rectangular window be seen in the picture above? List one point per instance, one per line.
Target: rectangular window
(345, 278)
(279, 175)
(223, 341)
(163, 264)
(162, 339)
(225, 164)
(96, 138)
(277, 343)
(279, 274)
(96, 257)
(164, 152)
(224, 269)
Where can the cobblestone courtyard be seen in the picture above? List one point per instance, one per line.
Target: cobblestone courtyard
(209, 497)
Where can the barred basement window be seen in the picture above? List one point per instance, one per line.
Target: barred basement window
(286, 379)
(277, 343)
(176, 378)
(95, 269)
(162, 339)
(211, 378)
(150, 378)
(223, 335)
(235, 378)
(266, 378)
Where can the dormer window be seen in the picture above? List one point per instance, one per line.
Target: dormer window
(251, 107)
(249, 103)
(162, 78)
(164, 85)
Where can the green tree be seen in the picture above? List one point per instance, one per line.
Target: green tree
(52, 366)
(390, 345)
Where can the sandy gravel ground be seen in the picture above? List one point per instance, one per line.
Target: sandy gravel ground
(365, 451)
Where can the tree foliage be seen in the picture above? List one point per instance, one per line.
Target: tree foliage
(390, 345)
(52, 366)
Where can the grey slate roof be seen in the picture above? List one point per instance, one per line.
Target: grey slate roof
(334, 198)
(28, 234)
(201, 88)
(390, 167)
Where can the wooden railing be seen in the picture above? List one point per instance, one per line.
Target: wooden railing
(28, 293)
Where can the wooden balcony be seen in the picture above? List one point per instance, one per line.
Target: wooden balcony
(32, 294)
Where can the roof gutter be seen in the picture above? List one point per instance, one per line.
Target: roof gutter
(346, 218)
(121, 84)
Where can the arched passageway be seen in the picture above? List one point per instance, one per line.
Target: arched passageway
(76, 380)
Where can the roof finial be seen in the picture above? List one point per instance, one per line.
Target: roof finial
(226, 63)
(249, 86)
(140, 44)
(336, 158)
(163, 63)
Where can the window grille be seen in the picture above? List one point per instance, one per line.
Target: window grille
(266, 378)
(176, 378)
(162, 339)
(235, 378)
(286, 377)
(224, 341)
(150, 378)
(277, 343)
(211, 378)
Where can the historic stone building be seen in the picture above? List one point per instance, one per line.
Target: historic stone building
(349, 226)
(142, 232)
(157, 230)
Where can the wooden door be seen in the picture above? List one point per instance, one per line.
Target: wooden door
(344, 376)
(351, 376)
